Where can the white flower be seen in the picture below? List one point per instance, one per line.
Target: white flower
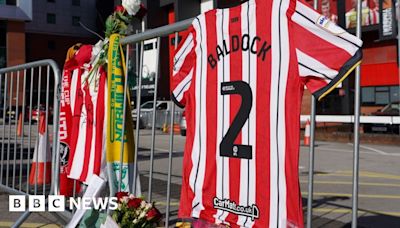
(135, 221)
(96, 50)
(131, 196)
(148, 206)
(142, 214)
(143, 204)
(131, 6)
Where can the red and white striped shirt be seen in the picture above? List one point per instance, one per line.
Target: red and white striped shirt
(240, 72)
(88, 98)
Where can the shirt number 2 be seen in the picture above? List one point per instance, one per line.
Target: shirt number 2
(227, 146)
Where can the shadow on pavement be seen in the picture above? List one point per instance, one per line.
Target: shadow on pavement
(368, 218)
(144, 154)
(372, 221)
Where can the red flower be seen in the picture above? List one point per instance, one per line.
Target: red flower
(119, 8)
(134, 203)
(119, 195)
(153, 214)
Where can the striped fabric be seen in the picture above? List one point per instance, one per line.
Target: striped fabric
(88, 104)
(240, 73)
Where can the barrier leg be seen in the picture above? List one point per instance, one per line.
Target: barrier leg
(356, 148)
(311, 164)
(153, 123)
(138, 98)
(21, 219)
(311, 155)
(171, 149)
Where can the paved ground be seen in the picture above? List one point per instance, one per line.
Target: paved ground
(379, 195)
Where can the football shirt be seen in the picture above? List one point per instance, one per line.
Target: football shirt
(240, 73)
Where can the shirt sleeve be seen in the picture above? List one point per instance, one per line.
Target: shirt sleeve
(183, 69)
(326, 53)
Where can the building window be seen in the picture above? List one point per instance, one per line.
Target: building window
(147, 47)
(379, 95)
(368, 94)
(51, 45)
(11, 2)
(3, 53)
(75, 21)
(51, 18)
(382, 95)
(394, 93)
(76, 2)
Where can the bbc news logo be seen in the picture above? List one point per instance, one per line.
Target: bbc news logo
(37, 203)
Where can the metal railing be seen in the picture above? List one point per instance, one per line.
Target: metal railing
(29, 96)
(351, 119)
(356, 146)
(157, 118)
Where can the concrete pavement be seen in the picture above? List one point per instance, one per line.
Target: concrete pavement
(379, 193)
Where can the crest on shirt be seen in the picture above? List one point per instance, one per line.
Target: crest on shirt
(64, 153)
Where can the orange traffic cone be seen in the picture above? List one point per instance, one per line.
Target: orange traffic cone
(41, 157)
(19, 127)
(176, 129)
(307, 134)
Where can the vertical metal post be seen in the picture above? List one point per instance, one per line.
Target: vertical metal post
(311, 163)
(2, 137)
(311, 154)
(121, 164)
(356, 146)
(138, 98)
(171, 149)
(397, 5)
(21, 219)
(16, 131)
(22, 133)
(46, 132)
(315, 4)
(398, 35)
(55, 184)
(30, 131)
(38, 127)
(153, 125)
(9, 128)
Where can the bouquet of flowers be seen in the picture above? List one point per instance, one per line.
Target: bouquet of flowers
(134, 212)
(117, 23)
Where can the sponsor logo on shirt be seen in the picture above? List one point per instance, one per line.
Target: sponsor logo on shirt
(250, 211)
(323, 21)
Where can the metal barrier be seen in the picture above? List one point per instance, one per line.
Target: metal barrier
(350, 119)
(29, 93)
(356, 146)
(154, 119)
